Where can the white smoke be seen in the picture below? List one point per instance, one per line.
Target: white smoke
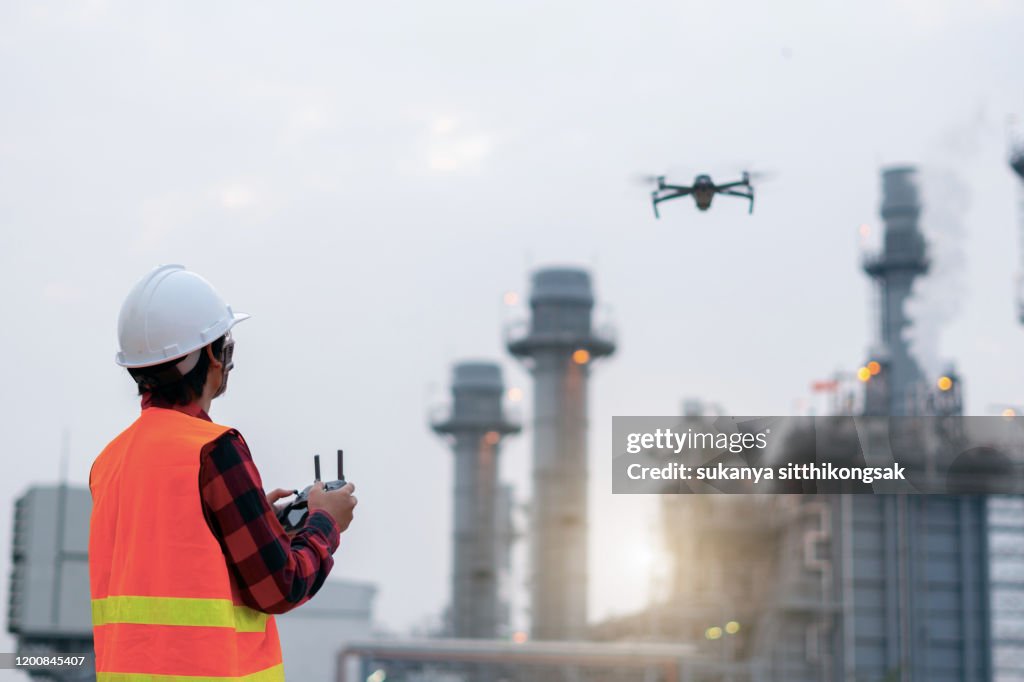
(945, 198)
(939, 295)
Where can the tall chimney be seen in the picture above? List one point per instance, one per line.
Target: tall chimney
(902, 260)
(1017, 166)
(475, 424)
(558, 348)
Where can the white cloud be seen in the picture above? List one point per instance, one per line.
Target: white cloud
(939, 15)
(237, 196)
(162, 216)
(303, 122)
(62, 292)
(451, 146)
(84, 12)
(444, 125)
(456, 154)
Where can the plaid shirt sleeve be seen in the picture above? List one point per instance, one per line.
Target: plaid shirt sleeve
(274, 573)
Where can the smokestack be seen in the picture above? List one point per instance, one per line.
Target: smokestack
(1017, 166)
(476, 424)
(1017, 160)
(902, 260)
(558, 348)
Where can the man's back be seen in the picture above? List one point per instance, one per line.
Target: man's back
(164, 601)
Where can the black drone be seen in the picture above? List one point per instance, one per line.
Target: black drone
(703, 190)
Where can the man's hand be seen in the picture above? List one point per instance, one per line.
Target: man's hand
(338, 503)
(278, 494)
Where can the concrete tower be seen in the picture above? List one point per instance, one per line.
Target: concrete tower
(476, 423)
(558, 348)
(1017, 160)
(903, 259)
(1017, 165)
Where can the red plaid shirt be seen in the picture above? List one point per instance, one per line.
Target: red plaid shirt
(274, 573)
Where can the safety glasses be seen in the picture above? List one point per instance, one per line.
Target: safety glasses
(227, 352)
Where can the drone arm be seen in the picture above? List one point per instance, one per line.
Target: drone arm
(746, 195)
(674, 192)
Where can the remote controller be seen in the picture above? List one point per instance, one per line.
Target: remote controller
(293, 516)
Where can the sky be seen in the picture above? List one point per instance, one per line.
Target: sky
(369, 180)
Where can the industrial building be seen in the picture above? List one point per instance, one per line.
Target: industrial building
(844, 587)
(762, 588)
(453, 659)
(48, 601)
(787, 587)
(341, 611)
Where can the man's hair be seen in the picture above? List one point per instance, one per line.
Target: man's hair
(184, 390)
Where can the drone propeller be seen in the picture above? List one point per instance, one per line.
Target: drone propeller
(729, 168)
(761, 176)
(677, 172)
(646, 179)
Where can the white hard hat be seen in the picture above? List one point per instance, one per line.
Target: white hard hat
(169, 314)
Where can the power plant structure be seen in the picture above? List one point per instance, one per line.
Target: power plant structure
(558, 344)
(850, 587)
(1017, 166)
(828, 587)
(558, 347)
(475, 426)
(761, 588)
(900, 388)
(48, 597)
(1006, 518)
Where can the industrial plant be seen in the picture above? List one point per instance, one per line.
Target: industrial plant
(761, 588)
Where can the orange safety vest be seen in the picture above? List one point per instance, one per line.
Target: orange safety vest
(164, 606)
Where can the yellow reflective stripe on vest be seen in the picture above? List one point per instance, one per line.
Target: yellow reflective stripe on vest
(274, 674)
(216, 613)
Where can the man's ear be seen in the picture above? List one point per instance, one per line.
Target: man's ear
(215, 362)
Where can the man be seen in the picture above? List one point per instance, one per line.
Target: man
(187, 559)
